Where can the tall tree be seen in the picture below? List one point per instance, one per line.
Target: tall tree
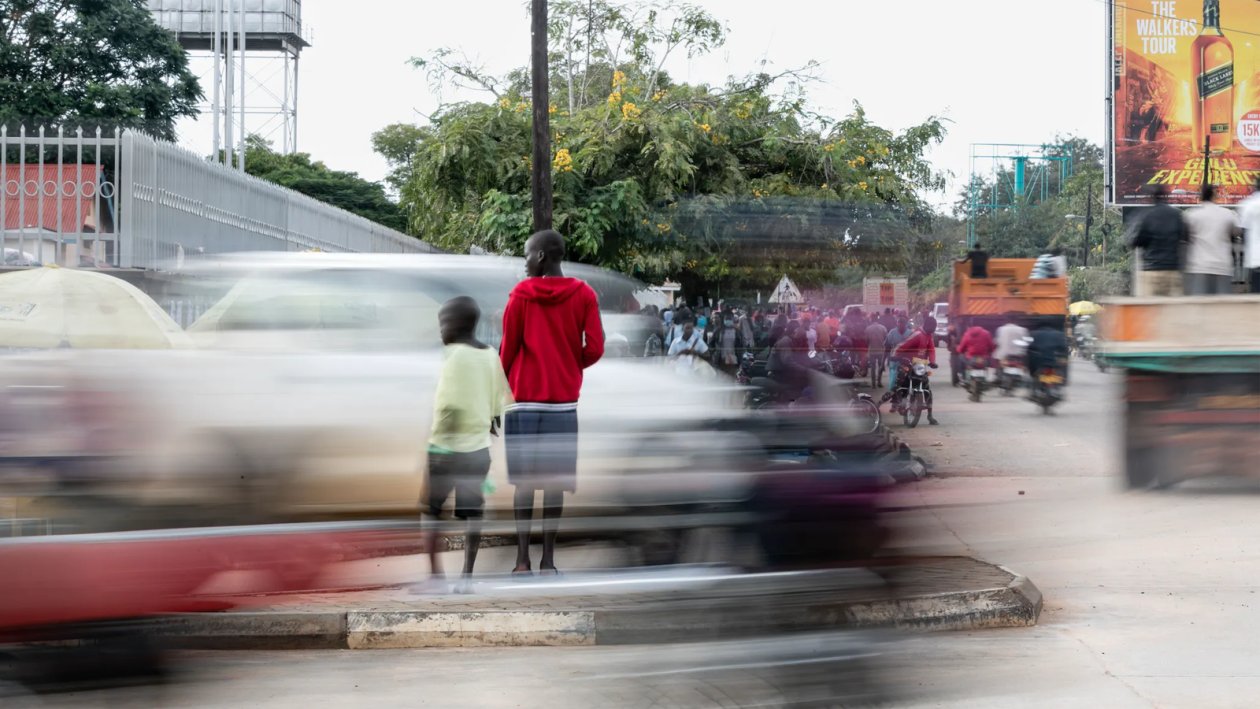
(299, 172)
(92, 61)
(731, 184)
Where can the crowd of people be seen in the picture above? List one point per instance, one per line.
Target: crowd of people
(1192, 252)
(723, 335)
(787, 341)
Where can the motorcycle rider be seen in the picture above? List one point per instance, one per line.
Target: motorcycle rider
(1085, 331)
(783, 367)
(976, 344)
(1008, 339)
(1048, 350)
(920, 345)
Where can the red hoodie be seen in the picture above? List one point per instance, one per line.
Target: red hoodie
(551, 332)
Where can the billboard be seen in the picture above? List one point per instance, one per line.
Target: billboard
(1185, 84)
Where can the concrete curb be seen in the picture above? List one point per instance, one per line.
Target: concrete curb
(912, 467)
(1017, 604)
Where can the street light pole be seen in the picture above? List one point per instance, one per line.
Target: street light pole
(541, 172)
(1089, 218)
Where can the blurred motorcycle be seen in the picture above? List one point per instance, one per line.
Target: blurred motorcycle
(1047, 387)
(1012, 373)
(977, 377)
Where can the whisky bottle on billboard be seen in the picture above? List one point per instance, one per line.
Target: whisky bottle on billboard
(1213, 68)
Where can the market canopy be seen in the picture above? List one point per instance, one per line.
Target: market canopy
(1084, 307)
(786, 292)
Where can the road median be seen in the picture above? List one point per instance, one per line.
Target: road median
(631, 607)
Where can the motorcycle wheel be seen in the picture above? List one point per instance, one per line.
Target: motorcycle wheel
(867, 411)
(915, 410)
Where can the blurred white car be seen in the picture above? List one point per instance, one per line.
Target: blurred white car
(310, 395)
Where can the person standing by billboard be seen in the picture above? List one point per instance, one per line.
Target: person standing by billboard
(551, 333)
(1249, 211)
(1160, 232)
(1210, 255)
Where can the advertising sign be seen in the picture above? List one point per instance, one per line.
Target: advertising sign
(1185, 96)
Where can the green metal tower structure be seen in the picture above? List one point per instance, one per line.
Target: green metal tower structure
(1004, 175)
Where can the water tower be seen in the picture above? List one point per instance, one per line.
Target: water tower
(251, 49)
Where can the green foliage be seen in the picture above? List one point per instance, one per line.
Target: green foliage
(715, 185)
(346, 190)
(1095, 283)
(93, 62)
(1033, 226)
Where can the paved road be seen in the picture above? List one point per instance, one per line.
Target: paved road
(1151, 598)
(1010, 437)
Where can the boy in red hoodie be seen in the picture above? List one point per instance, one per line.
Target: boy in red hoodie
(551, 332)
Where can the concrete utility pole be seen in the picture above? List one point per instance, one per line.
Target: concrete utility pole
(541, 174)
(1089, 218)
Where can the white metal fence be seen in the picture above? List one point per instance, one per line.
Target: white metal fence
(123, 199)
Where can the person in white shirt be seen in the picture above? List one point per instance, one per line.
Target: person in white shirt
(1210, 254)
(1009, 339)
(1249, 211)
(688, 347)
(1051, 264)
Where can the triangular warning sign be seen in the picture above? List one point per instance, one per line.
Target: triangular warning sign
(786, 292)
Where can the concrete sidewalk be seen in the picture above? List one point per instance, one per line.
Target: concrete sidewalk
(609, 607)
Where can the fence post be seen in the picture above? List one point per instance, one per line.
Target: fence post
(122, 171)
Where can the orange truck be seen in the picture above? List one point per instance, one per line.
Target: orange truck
(1009, 289)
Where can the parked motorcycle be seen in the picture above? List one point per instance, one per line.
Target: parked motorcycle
(914, 393)
(861, 405)
(764, 392)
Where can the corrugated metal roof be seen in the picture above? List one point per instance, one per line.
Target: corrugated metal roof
(57, 196)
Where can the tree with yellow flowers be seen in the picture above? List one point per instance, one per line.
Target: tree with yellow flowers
(729, 184)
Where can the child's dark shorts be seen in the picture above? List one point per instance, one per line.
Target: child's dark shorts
(463, 474)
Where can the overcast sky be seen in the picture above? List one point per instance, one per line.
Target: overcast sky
(1016, 71)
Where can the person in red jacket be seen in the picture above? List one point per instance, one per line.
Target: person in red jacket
(977, 343)
(975, 350)
(551, 333)
(920, 345)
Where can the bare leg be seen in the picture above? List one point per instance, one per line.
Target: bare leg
(553, 509)
(524, 501)
(472, 540)
(429, 542)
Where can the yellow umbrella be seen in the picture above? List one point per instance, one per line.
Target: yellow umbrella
(51, 307)
(1084, 307)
